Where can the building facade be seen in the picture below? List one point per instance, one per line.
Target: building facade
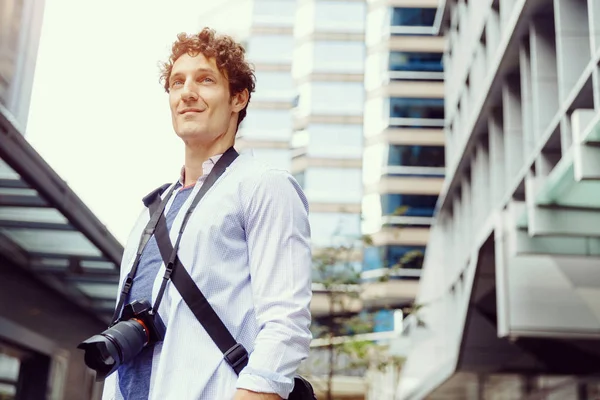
(404, 143)
(58, 263)
(510, 286)
(267, 130)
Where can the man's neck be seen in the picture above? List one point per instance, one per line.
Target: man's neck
(195, 156)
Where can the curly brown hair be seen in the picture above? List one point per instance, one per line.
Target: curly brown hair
(229, 56)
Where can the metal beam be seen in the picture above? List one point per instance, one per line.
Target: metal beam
(17, 200)
(35, 225)
(13, 184)
(65, 256)
(92, 278)
(33, 169)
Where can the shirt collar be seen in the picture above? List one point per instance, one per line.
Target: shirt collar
(207, 166)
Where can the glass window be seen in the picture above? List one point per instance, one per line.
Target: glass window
(413, 61)
(402, 16)
(339, 56)
(335, 16)
(416, 156)
(9, 373)
(332, 98)
(383, 321)
(274, 12)
(270, 49)
(267, 125)
(401, 107)
(52, 242)
(328, 228)
(333, 185)
(389, 256)
(335, 141)
(299, 177)
(276, 158)
(274, 86)
(413, 205)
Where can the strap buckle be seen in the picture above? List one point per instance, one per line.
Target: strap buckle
(236, 356)
(127, 285)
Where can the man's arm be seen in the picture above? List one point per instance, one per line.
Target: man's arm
(278, 238)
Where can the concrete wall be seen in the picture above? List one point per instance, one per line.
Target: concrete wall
(28, 303)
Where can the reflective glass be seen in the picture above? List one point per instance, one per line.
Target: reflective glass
(335, 16)
(300, 178)
(339, 56)
(333, 185)
(335, 141)
(9, 367)
(414, 61)
(6, 172)
(267, 125)
(332, 98)
(402, 16)
(389, 256)
(270, 49)
(326, 228)
(274, 86)
(98, 265)
(408, 205)
(274, 12)
(416, 156)
(26, 214)
(383, 321)
(99, 290)
(52, 242)
(276, 158)
(402, 107)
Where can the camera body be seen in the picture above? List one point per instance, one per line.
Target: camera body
(137, 328)
(142, 311)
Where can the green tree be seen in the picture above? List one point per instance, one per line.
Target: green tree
(337, 270)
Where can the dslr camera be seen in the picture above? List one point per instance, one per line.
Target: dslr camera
(137, 328)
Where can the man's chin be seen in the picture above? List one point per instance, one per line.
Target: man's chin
(191, 134)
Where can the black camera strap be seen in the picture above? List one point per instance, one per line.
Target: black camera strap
(144, 239)
(157, 207)
(235, 354)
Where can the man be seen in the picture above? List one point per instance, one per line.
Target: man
(246, 246)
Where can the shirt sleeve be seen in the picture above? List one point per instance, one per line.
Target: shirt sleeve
(278, 238)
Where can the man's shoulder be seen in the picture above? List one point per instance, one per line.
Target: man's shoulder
(257, 168)
(256, 173)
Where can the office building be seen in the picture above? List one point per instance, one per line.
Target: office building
(404, 146)
(58, 263)
(510, 287)
(267, 129)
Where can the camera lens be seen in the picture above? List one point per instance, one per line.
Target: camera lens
(113, 347)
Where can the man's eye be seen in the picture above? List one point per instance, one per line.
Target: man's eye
(177, 82)
(207, 79)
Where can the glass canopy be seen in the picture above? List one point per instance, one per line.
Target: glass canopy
(46, 229)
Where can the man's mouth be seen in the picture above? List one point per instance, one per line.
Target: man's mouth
(190, 110)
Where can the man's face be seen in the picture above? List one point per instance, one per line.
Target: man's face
(202, 110)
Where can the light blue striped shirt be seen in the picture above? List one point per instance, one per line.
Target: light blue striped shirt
(247, 246)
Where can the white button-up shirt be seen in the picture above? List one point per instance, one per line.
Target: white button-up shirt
(247, 247)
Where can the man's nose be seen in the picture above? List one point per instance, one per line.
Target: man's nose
(189, 93)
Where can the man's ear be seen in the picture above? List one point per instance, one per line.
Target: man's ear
(240, 100)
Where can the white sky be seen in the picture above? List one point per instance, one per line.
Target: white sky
(98, 114)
